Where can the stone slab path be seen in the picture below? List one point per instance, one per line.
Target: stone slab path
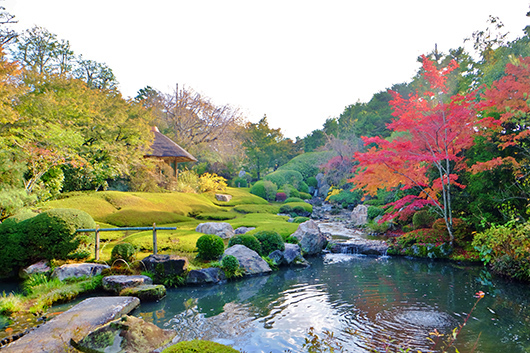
(54, 336)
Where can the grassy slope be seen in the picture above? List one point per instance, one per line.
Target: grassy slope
(113, 208)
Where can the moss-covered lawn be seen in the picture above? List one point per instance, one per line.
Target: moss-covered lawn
(184, 211)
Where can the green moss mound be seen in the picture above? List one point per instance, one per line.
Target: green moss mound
(210, 247)
(270, 241)
(199, 346)
(247, 240)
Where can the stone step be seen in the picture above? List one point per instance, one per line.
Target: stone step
(77, 322)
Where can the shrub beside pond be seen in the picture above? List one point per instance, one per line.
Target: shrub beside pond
(210, 247)
(247, 240)
(269, 241)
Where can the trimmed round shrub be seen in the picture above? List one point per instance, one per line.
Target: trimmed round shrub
(258, 189)
(239, 182)
(286, 208)
(230, 264)
(305, 196)
(300, 219)
(301, 211)
(303, 187)
(248, 240)
(423, 219)
(210, 247)
(199, 346)
(123, 251)
(270, 241)
(281, 197)
(290, 190)
(312, 181)
(374, 211)
(293, 199)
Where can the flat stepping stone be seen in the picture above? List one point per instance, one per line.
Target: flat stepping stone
(118, 283)
(145, 292)
(76, 323)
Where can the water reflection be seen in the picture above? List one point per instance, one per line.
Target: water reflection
(383, 299)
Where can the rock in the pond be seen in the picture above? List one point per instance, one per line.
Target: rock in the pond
(145, 292)
(165, 265)
(206, 275)
(128, 334)
(248, 259)
(291, 252)
(223, 197)
(277, 257)
(78, 270)
(243, 230)
(222, 229)
(39, 267)
(312, 241)
(118, 283)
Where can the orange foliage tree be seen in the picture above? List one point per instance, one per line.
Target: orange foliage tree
(432, 132)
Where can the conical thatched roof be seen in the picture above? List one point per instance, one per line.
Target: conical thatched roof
(164, 147)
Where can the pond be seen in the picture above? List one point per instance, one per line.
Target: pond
(387, 301)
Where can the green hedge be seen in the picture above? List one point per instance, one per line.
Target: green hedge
(270, 241)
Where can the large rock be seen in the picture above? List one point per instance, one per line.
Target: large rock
(145, 292)
(128, 334)
(248, 259)
(39, 267)
(312, 241)
(119, 282)
(78, 270)
(223, 197)
(359, 215)
(277, 257)
(291, 252)
(222, 229)
(206, 275)
(165, 265)
(76, 323)
(361, 246)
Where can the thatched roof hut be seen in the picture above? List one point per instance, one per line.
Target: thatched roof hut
(164, 148)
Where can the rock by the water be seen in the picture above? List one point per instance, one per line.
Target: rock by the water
(243, 230)
(222, 229)
(248, 259)
(291, 252)
(128, 334)
(145, 292)
(359, 215)
(277, 257)
(39, 267)
(78, 270)
(312, 241)
(206, 275)
(75, 323)
(223, 197)
(361, 246)
(165, 265)
(118, 283)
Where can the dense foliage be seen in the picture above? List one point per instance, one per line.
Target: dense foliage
(270, 241)
(210, 247)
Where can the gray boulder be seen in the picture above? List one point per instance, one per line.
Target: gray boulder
(248, 260)
(312, 241)
(359, 215)
(78, 270)
(243, 230)
(277, 257)
(222, 229)
(118, 283)
(206, 275)
(291, 252)
(165, 265)
(223, 197)
(39, 267)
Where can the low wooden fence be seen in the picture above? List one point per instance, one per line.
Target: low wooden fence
(96, 230)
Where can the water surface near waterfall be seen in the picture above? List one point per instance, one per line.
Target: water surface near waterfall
(385, 300)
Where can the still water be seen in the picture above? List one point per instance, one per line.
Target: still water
(385, 300)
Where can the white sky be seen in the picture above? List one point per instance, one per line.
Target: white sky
(299, 62)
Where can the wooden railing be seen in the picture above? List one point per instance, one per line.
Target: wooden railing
(96, 230)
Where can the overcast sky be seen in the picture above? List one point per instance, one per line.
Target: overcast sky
(298, 62)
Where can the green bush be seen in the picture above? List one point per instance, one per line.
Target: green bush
(247, 240)
(303, 187)
(123, 251)
(273, 209)
(239, 182)
(374, 211)
(312, 181)
(199, 346)
(423, 219)
(290, 191)
(305, 196)
(286, 208)
(270, 241)
(258, 189)
(293, 199)
(300, 219)
(210, 247)
(230, 264)
(281, 177)
(347, 197)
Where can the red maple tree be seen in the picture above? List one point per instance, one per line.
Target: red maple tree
(432, 130)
